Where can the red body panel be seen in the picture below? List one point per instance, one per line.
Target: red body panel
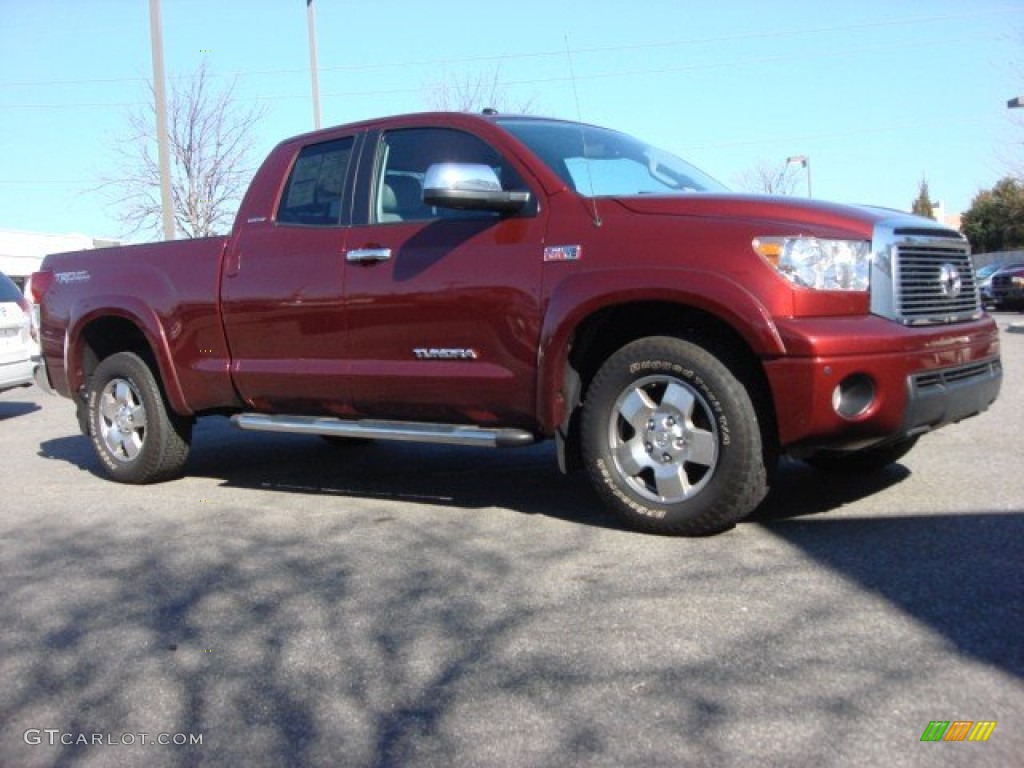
(824, 351)
(276, 319)
(169, 291)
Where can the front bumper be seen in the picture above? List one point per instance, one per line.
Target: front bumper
(923, 378)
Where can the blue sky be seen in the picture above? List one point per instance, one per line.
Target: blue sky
(877, 94)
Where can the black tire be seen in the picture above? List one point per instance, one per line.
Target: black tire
(864, 461)
(671, 439)
(137, 438)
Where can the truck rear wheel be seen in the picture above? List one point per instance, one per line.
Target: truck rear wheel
(671, 439)
(136, 437)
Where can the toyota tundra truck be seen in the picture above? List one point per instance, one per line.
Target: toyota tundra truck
(495, 280)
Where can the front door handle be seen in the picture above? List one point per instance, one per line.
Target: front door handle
(367, 255)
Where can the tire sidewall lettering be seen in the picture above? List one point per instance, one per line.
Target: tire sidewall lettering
(629, 501)
(738, 481)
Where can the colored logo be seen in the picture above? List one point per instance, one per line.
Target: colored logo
(958, 730)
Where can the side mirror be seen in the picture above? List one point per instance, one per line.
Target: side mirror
(469, 186)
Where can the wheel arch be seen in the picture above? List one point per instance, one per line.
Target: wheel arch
(93, 337)
(573, 360)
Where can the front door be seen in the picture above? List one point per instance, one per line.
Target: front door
(442, 305)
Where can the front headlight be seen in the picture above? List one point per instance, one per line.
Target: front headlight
(825, 265)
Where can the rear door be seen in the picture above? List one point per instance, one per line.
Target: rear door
(282, 295)
(443, 305)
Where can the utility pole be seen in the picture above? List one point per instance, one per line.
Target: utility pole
(805, 161)
(163, 151)
(311, 23)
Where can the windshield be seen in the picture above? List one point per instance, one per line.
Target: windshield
(598, 162)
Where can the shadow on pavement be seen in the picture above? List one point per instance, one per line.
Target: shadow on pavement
(959, 574)
(10, 409)
(523, 479)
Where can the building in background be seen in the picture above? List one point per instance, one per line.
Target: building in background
(941, 215)
(21, 253)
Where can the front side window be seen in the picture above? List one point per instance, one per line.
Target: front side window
(315, 186)
(403, 159)
(598, 162)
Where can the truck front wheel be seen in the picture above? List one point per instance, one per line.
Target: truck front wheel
(671, 439)
(136, 437)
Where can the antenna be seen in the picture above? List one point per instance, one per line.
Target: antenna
(583, 133)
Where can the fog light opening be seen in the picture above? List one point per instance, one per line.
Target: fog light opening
(853, 396)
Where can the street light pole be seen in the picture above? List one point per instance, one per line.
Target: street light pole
(805, 161)
(311, 24)
(162, 145)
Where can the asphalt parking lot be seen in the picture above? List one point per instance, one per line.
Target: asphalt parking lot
(292, 603)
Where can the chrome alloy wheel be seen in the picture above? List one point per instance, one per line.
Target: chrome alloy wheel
(663, 439)
(122, 421)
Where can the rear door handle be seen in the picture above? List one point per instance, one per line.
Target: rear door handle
(367, 255)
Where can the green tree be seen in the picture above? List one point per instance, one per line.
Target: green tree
(923, 205)
(995, 220)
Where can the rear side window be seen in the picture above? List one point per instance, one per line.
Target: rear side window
(315, 186)
(8, 289)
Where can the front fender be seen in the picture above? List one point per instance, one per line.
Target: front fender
(579, 296)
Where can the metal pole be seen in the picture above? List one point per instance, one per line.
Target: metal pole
(805, 161)
(163, 151)
(311, 23)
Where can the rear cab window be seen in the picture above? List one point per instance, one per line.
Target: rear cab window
(314, 193)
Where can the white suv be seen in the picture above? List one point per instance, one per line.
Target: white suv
(16, 344)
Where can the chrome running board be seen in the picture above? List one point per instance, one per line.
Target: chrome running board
(405, 431)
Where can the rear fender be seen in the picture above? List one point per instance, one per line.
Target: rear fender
(145, 319)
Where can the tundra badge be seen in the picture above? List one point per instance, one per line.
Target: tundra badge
(433, 353)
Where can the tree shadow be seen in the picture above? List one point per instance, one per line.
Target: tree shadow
(385, 638)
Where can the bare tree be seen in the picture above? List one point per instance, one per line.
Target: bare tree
(475, 92)
(211, 138)
(769, 179)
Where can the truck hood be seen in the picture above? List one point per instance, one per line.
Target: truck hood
(795, 211)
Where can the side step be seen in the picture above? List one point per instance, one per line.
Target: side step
(405, 431)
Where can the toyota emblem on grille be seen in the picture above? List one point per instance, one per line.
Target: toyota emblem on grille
(950, 282)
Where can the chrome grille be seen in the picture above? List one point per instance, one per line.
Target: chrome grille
(935, 285)
(924, 277)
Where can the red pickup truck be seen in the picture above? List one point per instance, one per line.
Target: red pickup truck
(497, 280)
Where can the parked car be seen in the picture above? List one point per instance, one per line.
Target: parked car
(1008, 287)
(984, 278)
(16, 344)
